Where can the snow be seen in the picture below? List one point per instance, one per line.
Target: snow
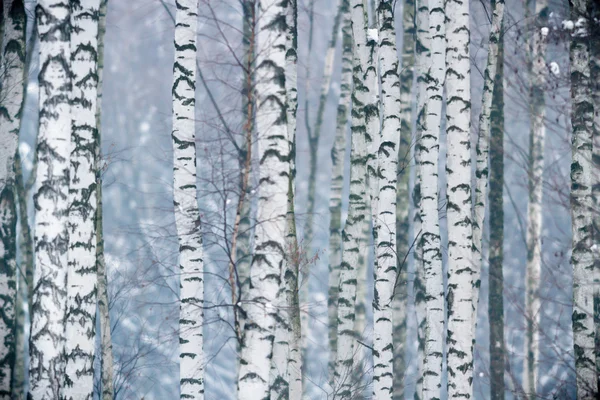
(144, 127)
(372, 34)
(581, 26)
(544, 31)
(567, 25)
(554, 68)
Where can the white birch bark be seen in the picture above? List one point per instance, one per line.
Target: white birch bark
(537, 46)
(12, 74)
(482, 164)
(187, 215)
(431, 243)
(400, 302)
(423, 62)
(269, 252)
(459, 211)
(385, 246)
(286, 366)
(582, 257)
(291, 273)
(356, 220)
(338, 151)
(80, 323)
(47, 342)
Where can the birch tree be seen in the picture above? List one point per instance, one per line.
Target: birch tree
(286, 366)
(431, 242)
(103, 311)
(12, 74)
(356, 219)
(582, 257)
(400, 302)
(423, 62)
(292, 271)
(338, 151)
(80, 324)
(269, 250)
(387, 263)
(51, 239)
(459, 212)
(187, 214)
(537, 47)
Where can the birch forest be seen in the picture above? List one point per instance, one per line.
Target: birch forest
(299, 199)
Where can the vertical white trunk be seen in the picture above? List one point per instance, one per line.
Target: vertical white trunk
(356, 220)
(428, 160)
(286, 365)
(459, 211)
(400, 302)
(582, 257)
(269, 252)
(291, 273)
(82, 276)
(385, 246)
(12, 73)
(482, 166)
(51, 239)
(537, 46)
(337, 183)
(187, 215)
(423, 63)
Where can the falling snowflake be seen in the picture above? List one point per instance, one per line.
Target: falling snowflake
(372, 34)
(554, 68)
(568, 25)
(544, 31)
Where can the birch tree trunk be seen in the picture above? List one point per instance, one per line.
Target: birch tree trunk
(242, 248)
(337, 183)
(537, 46)
(12, 74)
(80, 323)
(51, 239)
(459, 213)
(356, 220)
(496, 255)
(482, 165)
(581, 206)
(431, 242)
(187, 214)
(292, 271)
(103, 310)
(386, 268)
(400, 301)
(423, 61)
(25, 289)
(402, 191)
(286, 367)
(269, 254)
